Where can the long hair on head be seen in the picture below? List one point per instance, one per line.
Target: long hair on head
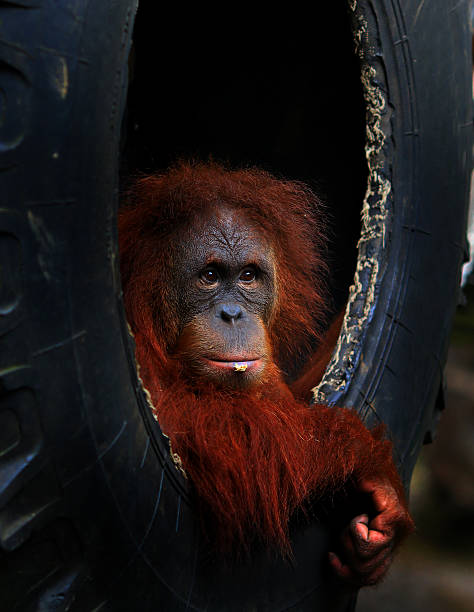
(158, 208)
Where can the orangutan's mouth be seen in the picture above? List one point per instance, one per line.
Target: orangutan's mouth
(236, 365)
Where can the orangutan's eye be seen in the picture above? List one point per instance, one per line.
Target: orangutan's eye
(247, 275)
(209, 276)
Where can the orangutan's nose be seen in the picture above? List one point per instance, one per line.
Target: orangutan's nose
(230, 312)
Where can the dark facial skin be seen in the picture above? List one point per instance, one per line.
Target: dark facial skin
(225, 276)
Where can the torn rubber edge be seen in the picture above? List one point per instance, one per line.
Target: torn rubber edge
(176, 459)
(376, 214)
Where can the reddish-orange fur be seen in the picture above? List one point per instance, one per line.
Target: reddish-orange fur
(314, 369)
(161, 206)
(253, 456)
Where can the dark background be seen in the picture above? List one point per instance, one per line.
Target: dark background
(282, 93)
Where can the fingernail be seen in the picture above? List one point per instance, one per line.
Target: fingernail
(364, 533)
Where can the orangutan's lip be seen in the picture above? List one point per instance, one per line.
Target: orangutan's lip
(237, 365)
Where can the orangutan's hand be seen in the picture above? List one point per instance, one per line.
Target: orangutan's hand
(367, 546)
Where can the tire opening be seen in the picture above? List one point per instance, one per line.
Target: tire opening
(284, 95)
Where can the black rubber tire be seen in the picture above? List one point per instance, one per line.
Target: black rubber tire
(417, 64)
(93, 513)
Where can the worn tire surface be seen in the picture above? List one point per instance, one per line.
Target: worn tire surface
(93, 513)
(416, 70)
